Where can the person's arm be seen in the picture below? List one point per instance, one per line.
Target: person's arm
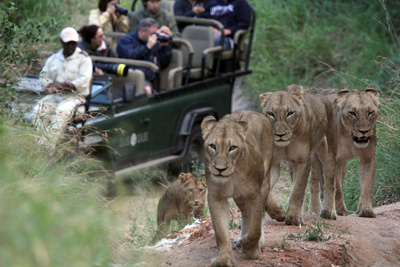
(133, 21)
(131, 49)
(242, 17)
(179, 10)
(122, 24)
(45, 78)
(173, 26)
(164, 54)
(85, 71)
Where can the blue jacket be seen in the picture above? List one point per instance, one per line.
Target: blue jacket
(131, 47)
(234, 15)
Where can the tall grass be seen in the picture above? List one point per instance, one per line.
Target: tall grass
(312, 42)
(51, 213)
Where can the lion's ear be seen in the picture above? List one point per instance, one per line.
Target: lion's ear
(296, 91)
(341, 96)
(244, 125)
(207, 125)
(374, 93)
(184, 177)
(264, 98)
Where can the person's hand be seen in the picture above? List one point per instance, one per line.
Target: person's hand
(151, 41)
(197, 9)
(98, 71)
(111, 8)
(227, 32)
(165, 30)
(215, 31)
(218, 32)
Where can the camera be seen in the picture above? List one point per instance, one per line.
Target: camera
(121, 10)
(163, 38)
(118, 69)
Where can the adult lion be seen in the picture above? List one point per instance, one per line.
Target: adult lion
(238, 152)
(356, 114)
(184, 199)
(302, 123)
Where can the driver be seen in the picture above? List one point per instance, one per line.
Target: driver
(66, 76)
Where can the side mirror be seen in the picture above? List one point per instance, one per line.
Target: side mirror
(129, 91)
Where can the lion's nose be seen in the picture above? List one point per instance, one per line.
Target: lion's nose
(363, 132)
(280, 134)
(220, 169)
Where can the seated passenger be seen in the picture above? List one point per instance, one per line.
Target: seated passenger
(94, 42)
(187, 8)
(66, 77)
(147, 43)
(233, 14)
(109, 19)
(152, 9)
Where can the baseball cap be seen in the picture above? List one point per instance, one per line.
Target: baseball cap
(69, 34)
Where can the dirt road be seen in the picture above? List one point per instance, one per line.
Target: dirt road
(352, 241)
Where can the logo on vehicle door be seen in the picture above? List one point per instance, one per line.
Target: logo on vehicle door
(139, 138)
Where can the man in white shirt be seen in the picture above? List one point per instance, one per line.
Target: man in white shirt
(66, 76)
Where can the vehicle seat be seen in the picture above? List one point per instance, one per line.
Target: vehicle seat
(168, 79)
(242, 46)
(134, 76)
(202, 40)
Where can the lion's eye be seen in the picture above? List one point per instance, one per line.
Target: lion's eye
(191, 191)
(352, 113)
(212, 146)
(232, 148)
(371, 113)
(290, 113)
(271, 114)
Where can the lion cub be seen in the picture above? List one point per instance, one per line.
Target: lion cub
(185, 198)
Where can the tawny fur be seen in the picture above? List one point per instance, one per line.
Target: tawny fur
(302, 123)
(238, 152)
(356, 113)
(184, 199)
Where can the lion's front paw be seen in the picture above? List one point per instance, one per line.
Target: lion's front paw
(315, 207)
(251, 253)
(341, 208)
(278, 213)
(330, 215)
(366, 212)
(294, 220)
(227, 261)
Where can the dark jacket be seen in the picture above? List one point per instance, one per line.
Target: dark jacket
(183, 8)
(234, 15)
(131, 47)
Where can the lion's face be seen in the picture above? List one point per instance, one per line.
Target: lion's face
(358, 113)
(223, 146)
(193, 189)
(284, 109)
